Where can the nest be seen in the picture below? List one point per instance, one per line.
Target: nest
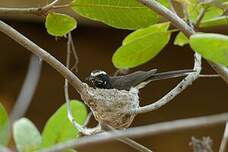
(112, 107)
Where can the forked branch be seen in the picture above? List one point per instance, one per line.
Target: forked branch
(182, 26)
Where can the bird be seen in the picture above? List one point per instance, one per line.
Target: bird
(138, 79)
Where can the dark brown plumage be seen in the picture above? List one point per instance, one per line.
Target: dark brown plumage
(138, 79)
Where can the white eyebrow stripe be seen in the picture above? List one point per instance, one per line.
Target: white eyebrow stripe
(98, 73)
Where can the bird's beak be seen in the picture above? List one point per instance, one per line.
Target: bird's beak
(89, 79)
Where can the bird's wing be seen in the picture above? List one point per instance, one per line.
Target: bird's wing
(125, 82)
(141, 78)
(164, 75)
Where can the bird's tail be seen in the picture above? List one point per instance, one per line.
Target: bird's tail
(165, 75)
(170, 74)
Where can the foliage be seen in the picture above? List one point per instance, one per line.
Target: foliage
(26, 135)
(149, 37)
(141, 46)
(123, 14)
(4, 126)
(211, 46)
(194, 7)
(59, 128)
(181, 39)
(59, 24)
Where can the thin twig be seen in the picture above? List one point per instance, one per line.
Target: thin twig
(66, 93)
(134, 144)
(169, 15)
(223, 71)
(223, 145)
(186, 14)
(163, 127)
(35, 11)
(44, 55)
(49, 6)
(61, 6)
(184, 27)
(75, 66)
(28, 89)
(172, 6)
(175, 91)
(209, 76)
(200, 17)
(87, 119)
(127, 140)
(81, 129)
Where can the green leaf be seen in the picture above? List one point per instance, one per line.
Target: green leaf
(26, 135)
(141, 46)
(59, 24)
(4, 126)
(181, 39)
(217, 21)
(59, 129)
(123, 14)
(211, 46)
(138, 34)
(213, 12)
(195, 7)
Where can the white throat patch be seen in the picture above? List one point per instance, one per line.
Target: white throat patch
(94, 74)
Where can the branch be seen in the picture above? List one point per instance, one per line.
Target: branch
(66, 93)
(87, 119)
(223, 146)
(169, 15)
(134, 144)
(209, 76)
(200, 17)
(42, 54)
(223, 70)
(126, 140)
(49, 6)
(163, 127)
(81, 129)
(175, 91)
(184, 27)
(35, 11)
(171, 3)
(28, 89)
(73, 49)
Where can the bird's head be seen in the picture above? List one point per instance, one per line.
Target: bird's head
(99, 79)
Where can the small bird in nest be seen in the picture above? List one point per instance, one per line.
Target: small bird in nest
(139, 79)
